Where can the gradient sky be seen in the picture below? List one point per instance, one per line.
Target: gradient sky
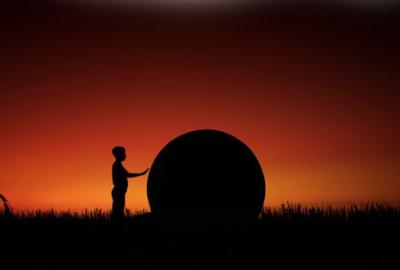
(313, 91)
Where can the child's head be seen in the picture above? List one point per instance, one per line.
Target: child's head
(119, 153)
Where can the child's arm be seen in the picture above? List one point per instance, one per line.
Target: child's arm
(137, 174)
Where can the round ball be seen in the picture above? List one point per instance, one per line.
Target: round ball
(206, 175)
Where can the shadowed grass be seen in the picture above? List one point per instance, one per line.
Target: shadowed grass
(298, 212)
(289, 212)
(364, 235)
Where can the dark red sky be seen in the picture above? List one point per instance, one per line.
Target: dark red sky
(313, 90)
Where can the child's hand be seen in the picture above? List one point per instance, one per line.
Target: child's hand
(143, 173)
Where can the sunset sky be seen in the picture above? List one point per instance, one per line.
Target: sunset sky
(312, 90)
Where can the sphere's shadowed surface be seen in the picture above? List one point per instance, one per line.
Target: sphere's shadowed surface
(207, 176)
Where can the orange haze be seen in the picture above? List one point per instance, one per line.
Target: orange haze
(317, 103)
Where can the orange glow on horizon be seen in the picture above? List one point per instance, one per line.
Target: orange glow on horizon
(321, 113)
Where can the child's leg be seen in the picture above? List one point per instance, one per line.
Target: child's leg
(118, 205)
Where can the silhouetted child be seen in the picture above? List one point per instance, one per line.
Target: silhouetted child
(120, 180)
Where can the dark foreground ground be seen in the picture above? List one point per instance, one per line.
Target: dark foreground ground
(290, 236)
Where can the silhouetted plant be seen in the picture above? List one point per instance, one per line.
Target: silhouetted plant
(6, 207)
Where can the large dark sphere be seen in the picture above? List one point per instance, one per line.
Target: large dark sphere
(207, 176)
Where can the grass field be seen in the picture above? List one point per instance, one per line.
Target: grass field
(290, 236)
